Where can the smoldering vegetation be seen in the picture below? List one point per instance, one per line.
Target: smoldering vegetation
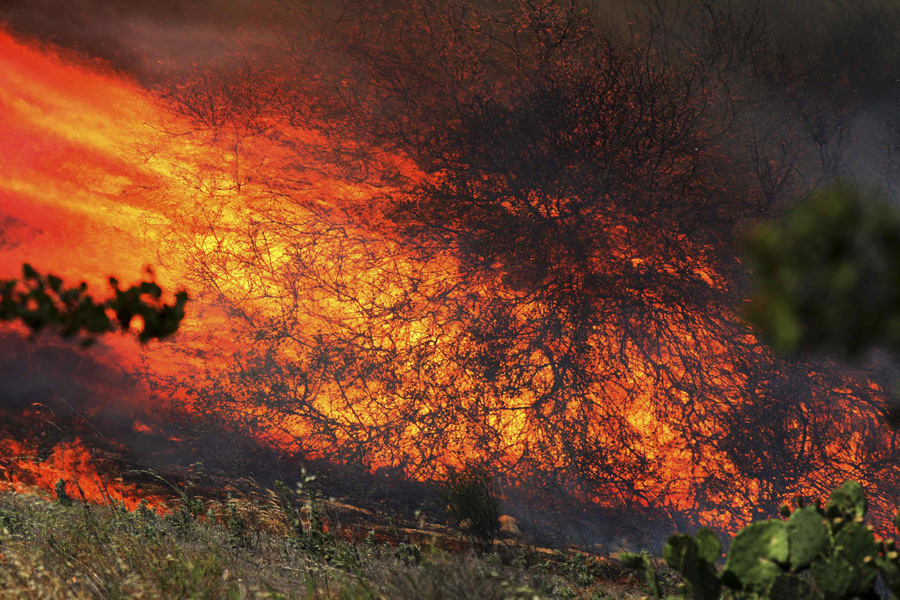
(504, 232)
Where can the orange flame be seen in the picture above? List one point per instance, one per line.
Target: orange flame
(101, 177)
(74, 464)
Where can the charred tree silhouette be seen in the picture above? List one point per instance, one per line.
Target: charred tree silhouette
(506, 232)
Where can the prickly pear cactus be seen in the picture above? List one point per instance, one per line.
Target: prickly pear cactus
(809, 537)
(695, 559)
(639, 562)
(757, 557)
(848, 501)
(816, 554)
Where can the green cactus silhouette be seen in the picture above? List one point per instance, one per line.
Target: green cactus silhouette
(816, 554)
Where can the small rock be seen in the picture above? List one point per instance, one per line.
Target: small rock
(509, 527)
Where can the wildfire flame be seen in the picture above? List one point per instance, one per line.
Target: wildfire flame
(74, 464)
(320, 330)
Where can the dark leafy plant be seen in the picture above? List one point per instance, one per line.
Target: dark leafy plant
(583, 569)
(11, 522)
(317, 539)
(643, 563)
(311, 536)
(470, 498)
(62, 496)
(44, 301)
(827, 276)
(236, 524)
(287, 504)
(190, 508)
(408, 554)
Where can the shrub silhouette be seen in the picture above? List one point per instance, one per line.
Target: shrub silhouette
(45, 301)
(470, 498)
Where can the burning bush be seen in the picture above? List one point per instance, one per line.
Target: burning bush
(516, 246)
(503, 233)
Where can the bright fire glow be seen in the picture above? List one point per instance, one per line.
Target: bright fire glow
(101, 178)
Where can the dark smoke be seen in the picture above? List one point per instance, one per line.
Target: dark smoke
(148, 39)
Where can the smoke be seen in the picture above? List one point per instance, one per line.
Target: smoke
(48, 373)
(148, 39)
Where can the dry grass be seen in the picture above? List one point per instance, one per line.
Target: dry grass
(244, 548)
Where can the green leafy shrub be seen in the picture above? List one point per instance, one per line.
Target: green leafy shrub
(189, 508)
(408, 554)
(287, 505)
(312, 536)
(817, 554)
(236, 524)
(584, 570)
(11, 522)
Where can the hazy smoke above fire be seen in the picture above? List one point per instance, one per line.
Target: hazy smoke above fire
(428, 233)
(149, 40)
